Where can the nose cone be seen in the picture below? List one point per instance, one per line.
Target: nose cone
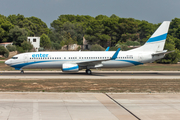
(7, 62)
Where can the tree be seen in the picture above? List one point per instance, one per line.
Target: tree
(45, 41)
(67, 40)
(11, 48)
(5, 27)
(18, 35)
(55, 46)
(96, 47)
(33, 25)
(173, 57)
(4, 52)
(27, 46)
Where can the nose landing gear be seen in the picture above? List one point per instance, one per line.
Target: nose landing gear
(22, 72)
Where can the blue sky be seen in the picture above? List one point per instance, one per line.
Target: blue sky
(154, 11)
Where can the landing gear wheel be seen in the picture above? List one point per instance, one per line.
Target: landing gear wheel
(22, 72)
(88, 72)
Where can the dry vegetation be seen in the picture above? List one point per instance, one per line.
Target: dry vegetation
(67, 85)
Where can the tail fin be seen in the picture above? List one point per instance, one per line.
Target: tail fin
(157, 41)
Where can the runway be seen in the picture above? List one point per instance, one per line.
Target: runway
(95, 75)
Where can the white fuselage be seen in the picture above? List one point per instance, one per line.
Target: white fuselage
(57, 59)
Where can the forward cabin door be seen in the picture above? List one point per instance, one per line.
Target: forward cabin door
(25, 58)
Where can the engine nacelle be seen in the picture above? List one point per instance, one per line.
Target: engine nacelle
(70, 67)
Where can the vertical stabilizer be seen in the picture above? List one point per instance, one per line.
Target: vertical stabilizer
(157, 41)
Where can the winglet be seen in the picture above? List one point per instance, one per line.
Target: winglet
(115, 54)
(107, 49)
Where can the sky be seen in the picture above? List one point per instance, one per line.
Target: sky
(153, 11)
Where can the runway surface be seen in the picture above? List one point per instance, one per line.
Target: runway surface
(89, 106)
(95, 75)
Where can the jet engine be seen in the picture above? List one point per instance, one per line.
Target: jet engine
(70, 67)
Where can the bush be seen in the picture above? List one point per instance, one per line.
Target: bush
(4, 51)
(45, 41)
(11, 48)
(27, 46)
(132, 43)
(55, 46)
(20, 49)
(96, 47)
(113, 48)
(41, 49)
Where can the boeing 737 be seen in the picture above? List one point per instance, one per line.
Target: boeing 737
(77, 60)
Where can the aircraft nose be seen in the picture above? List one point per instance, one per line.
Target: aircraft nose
(7, 62)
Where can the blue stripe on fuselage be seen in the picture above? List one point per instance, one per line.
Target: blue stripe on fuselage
(19, 66)
(158, 38)
(29, 63)
(133, 62)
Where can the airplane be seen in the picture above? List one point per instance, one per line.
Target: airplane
(77, 60)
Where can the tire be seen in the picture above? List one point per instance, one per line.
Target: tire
(88, 72)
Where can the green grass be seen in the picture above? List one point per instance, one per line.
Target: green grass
(1, 61)
(1, 58)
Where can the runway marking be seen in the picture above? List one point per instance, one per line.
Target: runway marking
(122, 106)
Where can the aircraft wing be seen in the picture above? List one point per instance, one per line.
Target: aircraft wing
(97, 63)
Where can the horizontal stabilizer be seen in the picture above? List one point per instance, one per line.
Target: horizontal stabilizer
(163, 52)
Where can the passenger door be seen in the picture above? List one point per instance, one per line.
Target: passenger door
(140, 58)
(25, 58)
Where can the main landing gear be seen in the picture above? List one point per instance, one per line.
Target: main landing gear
(22, 72)
(88, 71)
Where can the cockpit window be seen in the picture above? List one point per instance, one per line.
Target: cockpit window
(14, 58)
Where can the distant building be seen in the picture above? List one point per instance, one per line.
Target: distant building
(85, 44)
(6, 44)
(35, 41)
(71, 47)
